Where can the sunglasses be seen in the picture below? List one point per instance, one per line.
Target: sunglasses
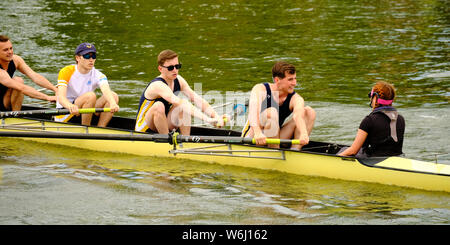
(170, 68)
(372, 93)
(90, 55)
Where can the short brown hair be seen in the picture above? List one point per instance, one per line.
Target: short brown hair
(166, 55)
(280, 68)
(4, 38)
(385, 91)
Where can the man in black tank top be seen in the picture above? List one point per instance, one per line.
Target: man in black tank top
(271, 105)
(12, 88)
(160, 108)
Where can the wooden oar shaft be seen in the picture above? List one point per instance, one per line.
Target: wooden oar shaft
(5, 114)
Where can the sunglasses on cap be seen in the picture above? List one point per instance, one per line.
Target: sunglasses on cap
(90, 55)
(170, 68)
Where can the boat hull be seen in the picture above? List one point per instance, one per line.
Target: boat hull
(391, 171)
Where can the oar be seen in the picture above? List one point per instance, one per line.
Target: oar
(5, 114)
(279, 141)
(230, 140)
(172, 139)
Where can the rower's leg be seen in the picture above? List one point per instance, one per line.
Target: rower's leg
(156, 118)
(13, 99)
(310, 118)
(105, 117)
(270, 126)
(290, 131)
(86, 100)
(180, 117)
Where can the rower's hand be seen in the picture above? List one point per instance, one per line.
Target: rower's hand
(260, 138)
(114, 108)
(212, 121)
(226, 119)
(304, 139)
(51, 98)
(221, 121)
(73, 110)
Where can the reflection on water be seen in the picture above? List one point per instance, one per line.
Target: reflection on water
(340, 47)
(107, 188)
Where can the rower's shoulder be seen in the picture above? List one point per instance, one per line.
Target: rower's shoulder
(296, 99)
(259, 87)
(69, 69)
(158, 81)
(182, 82)
(3, 73)
(17, 60)
(156, 85)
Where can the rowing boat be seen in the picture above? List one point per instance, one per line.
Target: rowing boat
(227, 147)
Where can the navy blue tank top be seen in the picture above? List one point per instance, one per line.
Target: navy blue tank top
(10, 70)
(283, 110)
(167, 105)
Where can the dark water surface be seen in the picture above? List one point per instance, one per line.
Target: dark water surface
(340, 49)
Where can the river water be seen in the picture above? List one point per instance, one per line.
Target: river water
(340, 49)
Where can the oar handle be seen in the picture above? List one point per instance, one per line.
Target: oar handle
(279, 141)
(93, 110)
(57, 111)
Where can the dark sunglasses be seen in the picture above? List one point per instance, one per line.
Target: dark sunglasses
(170, 68)
(90, 55)
(372, 93)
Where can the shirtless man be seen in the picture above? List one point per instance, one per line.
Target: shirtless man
(12, 88)
(160, 107)
(272, 103)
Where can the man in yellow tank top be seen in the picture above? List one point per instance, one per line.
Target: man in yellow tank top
(76, 86)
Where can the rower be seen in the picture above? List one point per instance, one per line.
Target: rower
(160, 107)
(76, 86)
(381, 132)
(277, 111)
(12, 88)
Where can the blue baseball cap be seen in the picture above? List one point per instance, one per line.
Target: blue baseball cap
(85, 48)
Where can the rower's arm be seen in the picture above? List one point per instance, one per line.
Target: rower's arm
(198, 101)
(256, 97)
(361, 136)
(62, 97)
(106, 91)
(159, 89)
(27, 90)
(34, 76)
(299, 118)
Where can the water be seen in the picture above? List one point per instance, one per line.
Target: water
(340, 49)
